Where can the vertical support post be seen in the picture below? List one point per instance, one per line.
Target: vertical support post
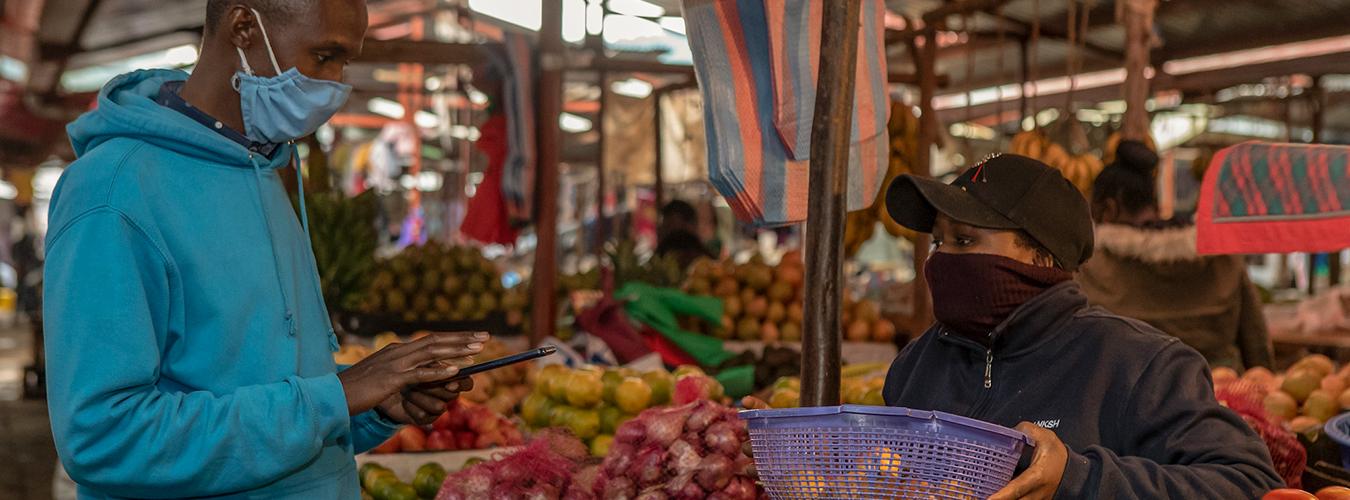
(926, 69)
(543, 315)
(1138, 20)
(830, 132)
(601, 225)
(659, 184)
(1024, 102)
(1317, 101)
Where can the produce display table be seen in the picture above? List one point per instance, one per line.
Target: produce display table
(1281, 320)
(850, 352)
(405, 465)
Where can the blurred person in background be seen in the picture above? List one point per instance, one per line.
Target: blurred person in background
(678, 233)
(190, 353)
(1147, 268)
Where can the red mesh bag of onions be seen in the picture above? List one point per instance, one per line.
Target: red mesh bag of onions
(549, 467)
(1247, 400)
(693, 451)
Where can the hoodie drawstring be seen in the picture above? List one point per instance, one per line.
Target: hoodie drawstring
(300, 184)
(271, 242)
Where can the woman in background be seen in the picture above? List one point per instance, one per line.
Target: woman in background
(1147, 268)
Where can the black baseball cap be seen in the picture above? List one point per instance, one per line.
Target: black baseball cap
(1004, 192)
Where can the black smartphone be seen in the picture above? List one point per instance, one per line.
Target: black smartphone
(508, 360)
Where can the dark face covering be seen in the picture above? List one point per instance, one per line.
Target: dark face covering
(974, 293)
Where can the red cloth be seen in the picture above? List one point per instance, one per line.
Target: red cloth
(1275, 198)
(485, 217)
(671, 354)
(608, 321)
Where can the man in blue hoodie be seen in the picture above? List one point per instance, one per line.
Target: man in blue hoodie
(189, 348)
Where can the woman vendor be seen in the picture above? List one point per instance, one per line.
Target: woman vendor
(1116, 408)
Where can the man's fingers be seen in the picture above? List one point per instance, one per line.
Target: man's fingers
(438, 391)
(458, 356)
(417, 414)
(426, 402)
(424, 374)
(754, 403)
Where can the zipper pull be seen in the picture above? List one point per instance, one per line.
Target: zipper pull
(989, 369)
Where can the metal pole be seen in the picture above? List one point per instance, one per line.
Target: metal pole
(825, 205)
(551, 61)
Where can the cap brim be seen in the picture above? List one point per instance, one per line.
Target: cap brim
(914, 202)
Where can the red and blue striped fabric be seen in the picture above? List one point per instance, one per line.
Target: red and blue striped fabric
(756, 62)
(518, 171)
(1275, 198)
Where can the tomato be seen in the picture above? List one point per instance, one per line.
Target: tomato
(1333, 493)
(1288, 494)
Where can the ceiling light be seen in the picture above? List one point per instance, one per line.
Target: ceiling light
(385, 107)
(573, 20)
(524, 13)
(425, 119)
(638, 8)
(1297, 50)
(573, 123)
(675, 24)
(632, 87)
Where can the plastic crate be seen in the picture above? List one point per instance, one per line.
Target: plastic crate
(855, 451)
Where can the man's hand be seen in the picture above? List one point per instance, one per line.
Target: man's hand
(430, 359)
(421, 405)
(1041, 479)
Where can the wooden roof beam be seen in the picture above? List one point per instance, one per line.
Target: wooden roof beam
(1059, 33)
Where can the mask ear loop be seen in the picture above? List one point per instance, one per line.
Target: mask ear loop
(266, 41)
(234, 79)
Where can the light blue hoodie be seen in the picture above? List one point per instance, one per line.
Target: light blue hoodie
(188, 351)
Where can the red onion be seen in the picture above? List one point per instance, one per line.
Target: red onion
(683, 457)
(704, 414)
(740, 488)
(714, 472)
(721, 438)
(619, 488)
(653, 493)
(676, 484)
(664, 426)
(648, 466)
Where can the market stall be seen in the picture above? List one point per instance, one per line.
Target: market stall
(444, 198)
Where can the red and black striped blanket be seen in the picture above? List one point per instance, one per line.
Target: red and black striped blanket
(1275, 198)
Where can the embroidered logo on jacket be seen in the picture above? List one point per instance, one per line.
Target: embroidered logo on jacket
(1048, 424)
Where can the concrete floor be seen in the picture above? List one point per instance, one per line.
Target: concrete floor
(26, 450)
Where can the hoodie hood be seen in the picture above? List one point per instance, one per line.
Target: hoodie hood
(127, 108)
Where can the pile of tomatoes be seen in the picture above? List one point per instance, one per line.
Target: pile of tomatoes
(1328, 493)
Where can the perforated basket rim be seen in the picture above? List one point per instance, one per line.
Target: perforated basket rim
(1337, 428)
(888, 411)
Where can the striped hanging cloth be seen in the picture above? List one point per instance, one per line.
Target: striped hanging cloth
(756, 62)
(1275, 198)
(516, 62)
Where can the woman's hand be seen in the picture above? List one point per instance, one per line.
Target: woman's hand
(402, 367)
(422, 404)
(1041, 479)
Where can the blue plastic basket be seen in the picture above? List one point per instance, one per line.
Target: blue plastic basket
(1339, 430)
(855, 451)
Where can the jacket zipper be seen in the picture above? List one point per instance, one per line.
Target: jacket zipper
(988, 368)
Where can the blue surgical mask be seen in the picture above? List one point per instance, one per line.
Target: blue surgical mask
(285, 107)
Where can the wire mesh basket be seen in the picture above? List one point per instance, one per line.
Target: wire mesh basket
(855, 451)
